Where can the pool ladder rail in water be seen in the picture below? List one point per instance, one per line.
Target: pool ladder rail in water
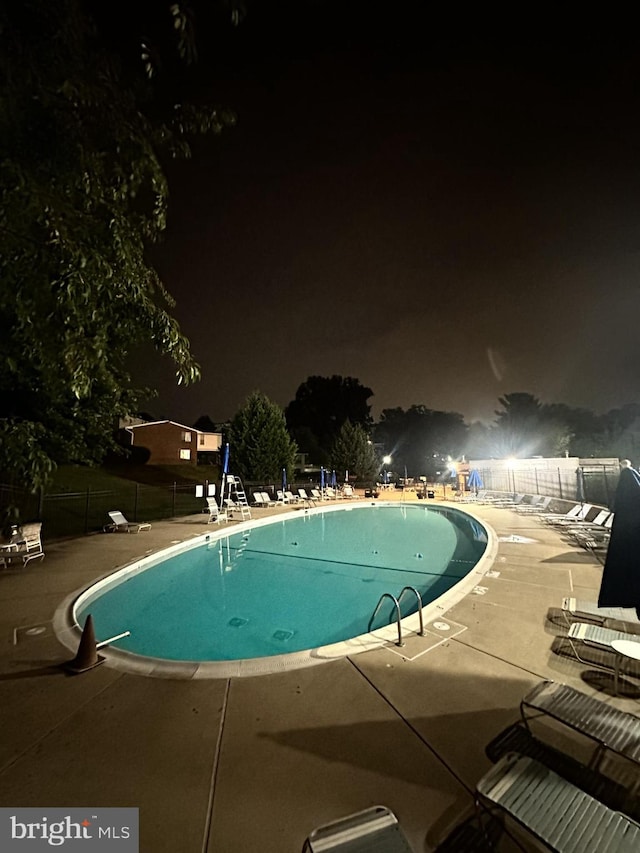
(396, 604)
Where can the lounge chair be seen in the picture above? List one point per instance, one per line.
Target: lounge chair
(215, 513)
(348, 493)
(291, 498)
(315, 494)
(578, 610)
(594, 635)
(573, 513)
(536, 504)
(304, 497)
(610, 728)
(330, 493)
(374, 830)
(267, 499)
(579, 519)
(281, 497)
(26, 545)
(560, 815)
(258, 500)
(119, 524)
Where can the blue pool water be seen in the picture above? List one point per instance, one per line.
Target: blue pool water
(290, 585)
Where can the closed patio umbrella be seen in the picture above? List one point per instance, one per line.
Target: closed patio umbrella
(284, 480)
(620, 585)
(321, 480)
(475, 480)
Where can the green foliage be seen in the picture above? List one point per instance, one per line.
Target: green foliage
(83, 193)
(525, 427)
(260, 442)
(420, 438)
(353, 451)
(321, 406)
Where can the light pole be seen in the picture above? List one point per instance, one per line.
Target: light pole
(386, 461)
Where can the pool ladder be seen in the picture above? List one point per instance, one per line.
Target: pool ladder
(396, 604)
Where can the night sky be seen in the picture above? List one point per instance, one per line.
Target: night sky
(447, 213)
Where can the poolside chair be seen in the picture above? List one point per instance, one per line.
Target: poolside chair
(215, 513)
(348, 493)
(25, 545)
(610, 728)
(553, 810)
(258, 500)
(304, 497)
(330, 493)
(374, 830)
(573, 513)
(267, 500)
(291, 498)
(578, 610)
(580, 518)
(119, 524)
(315, 494)
(535, 507)
(281, 497)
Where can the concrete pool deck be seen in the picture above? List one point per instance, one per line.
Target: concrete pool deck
(249, 764)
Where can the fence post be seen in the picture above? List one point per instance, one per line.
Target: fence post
(560, 482)
(86, 511)
(606, 484)
(135, 504)
(173, 500)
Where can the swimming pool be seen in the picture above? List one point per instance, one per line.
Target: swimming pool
(286, 588)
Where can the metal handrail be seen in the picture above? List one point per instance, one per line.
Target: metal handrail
(417, 595)
(398, 616)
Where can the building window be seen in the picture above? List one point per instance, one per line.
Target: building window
(202, 439)
(186, 436)
(185, 454)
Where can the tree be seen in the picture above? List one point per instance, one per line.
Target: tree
(420, 439)
(83, 193)
(259, 441)
(525, 427)
(321, 406)
(353, 451)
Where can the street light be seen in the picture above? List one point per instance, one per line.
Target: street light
(386, 460)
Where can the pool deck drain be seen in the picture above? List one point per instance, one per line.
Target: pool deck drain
(235, 765)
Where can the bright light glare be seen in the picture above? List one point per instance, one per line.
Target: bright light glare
(386, 460)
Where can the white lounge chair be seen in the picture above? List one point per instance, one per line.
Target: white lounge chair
(551, 517)
(281, 497)
(579, 518)
(348, 493)
(216, 515)
(578, 610)
(536, 507)
(267, 499)
(304, 497)
(25, 545)
(119, 524)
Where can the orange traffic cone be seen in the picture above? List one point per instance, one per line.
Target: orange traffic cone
(87, 656)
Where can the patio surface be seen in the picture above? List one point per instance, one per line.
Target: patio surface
(254, 764)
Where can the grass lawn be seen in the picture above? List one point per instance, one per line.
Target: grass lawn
(79, 498)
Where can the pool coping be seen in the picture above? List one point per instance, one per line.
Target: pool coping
(68, 630)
